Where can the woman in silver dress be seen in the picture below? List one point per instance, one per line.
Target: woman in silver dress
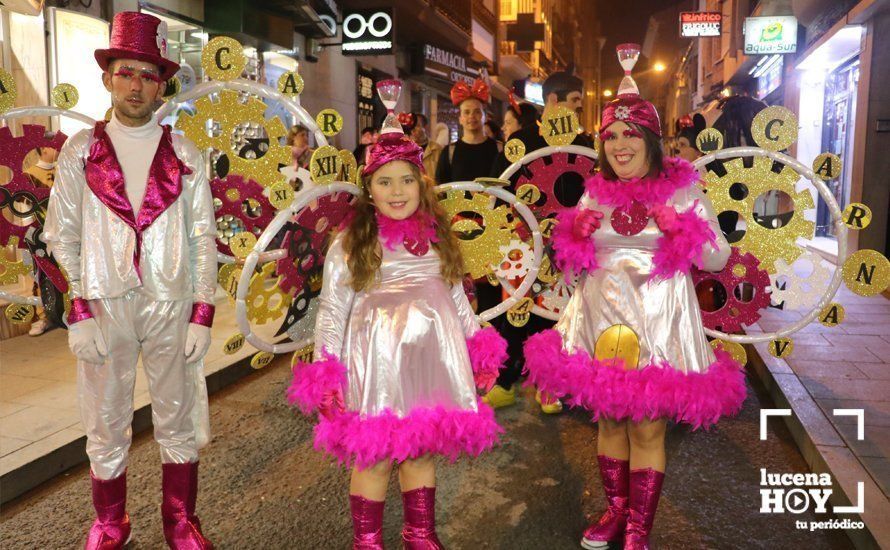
(630, 346)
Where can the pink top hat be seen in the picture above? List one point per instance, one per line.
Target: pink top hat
(138, 36)
(629, 106)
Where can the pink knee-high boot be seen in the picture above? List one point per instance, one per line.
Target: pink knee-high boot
(111, 530)
(419, 531)
(645, 490)
(610, 527)
(367, 523)
(182, 529)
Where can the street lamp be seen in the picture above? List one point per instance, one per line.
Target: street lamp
(607, 93)
(659, 66)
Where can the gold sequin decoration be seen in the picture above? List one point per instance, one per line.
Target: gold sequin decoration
(547, 272)
(827, 166)
(867, 272)
(546, 226)
(11, 270)
(290, 84)
(774, 128)
(20, 314)
(479, 244)
(233, 344)
(227, 277)
(348, 167)
(493, 182)
(832, 315)
(265, 300)
(261, 359)
(856, 216)
(324, 166)
(734, 349)
(709, 140)
(514, 149)
(528, 193)
(619, 342)
(520, 313)
(559, 125)
(767, 244)
(302, 355)
(7, 91)
(242, 244)
(330, 122)
(229, 112)
(65, 96)
(223, 58)
(281, 195)
(781, 347)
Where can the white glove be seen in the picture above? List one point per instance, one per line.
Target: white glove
(197, 342)
(86, 342)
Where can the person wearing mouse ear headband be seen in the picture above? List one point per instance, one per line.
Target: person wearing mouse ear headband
(469, 157)
(630, 346)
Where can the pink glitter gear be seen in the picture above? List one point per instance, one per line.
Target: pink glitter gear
(306, 240)
(13, 151)
(234, 205)
(544, 177)
(735, 312)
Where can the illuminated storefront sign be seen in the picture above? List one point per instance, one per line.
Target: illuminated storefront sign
(700, 23)
(773, 34)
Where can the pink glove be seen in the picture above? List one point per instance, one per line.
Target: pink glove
(586, 222)
(665, 217)
(332, 405)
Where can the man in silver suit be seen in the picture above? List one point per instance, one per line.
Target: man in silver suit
(131, 221)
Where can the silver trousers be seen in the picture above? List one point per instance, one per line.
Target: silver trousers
(131, 325)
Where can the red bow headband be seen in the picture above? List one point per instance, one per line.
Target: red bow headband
(462, 91)
(511, 95)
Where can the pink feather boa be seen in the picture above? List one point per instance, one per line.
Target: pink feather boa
(677, 174)
(364, 441)
(655, 391)
(313, 383)
(570, 253)
(418, 227)
(488, 352)
(681, 245)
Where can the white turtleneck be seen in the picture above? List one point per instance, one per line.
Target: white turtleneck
(135, 148)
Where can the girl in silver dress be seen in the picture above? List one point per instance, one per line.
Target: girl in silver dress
(630, 346)
(398, 351)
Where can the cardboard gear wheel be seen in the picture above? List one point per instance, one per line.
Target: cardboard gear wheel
(262, 305)
(481, 246)
(235, 194)
(229, 111)
(767, 244)
(545, 172)
(742, 304)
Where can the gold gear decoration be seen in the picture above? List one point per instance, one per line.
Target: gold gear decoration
(482, 251)
(768, 245)
(229, 111)
(260, 296)
(11, 270)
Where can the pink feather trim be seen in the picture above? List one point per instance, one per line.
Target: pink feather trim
(364, 441)
(655, 391)
(677, 174)
(418, 227)
(570, 253)
(488, 352)
(313, 383)
(681, 245)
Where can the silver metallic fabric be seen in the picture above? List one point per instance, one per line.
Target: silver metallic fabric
(664, 315)
(130, 324)
(404, 340)
(95, 247)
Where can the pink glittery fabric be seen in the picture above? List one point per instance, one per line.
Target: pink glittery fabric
(202, 314)
(105, 178)
(392, 147)
(632, 109)
(80, 310)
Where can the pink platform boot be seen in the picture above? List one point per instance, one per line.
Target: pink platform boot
(610, 527)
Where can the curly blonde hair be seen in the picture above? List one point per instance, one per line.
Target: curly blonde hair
(362, 248)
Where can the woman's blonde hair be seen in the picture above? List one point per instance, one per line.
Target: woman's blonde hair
(363, 252)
